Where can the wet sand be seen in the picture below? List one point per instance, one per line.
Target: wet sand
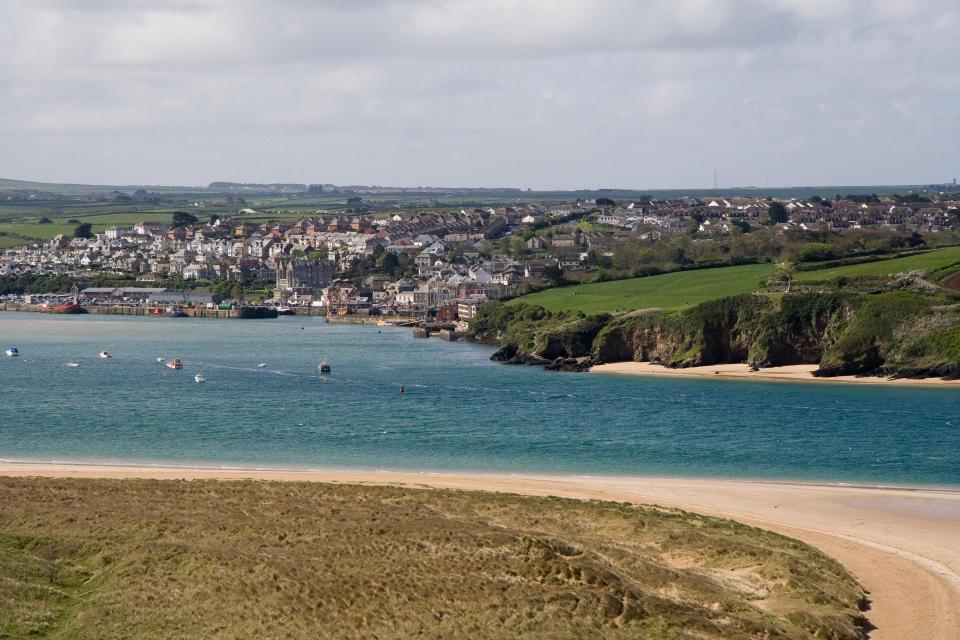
(901, 544)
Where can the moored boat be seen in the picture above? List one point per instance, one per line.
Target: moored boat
(105, 355)
(67, 307)
(176, 363)
(13, 352)
(324, 366)
(200, 378)
(73, 364)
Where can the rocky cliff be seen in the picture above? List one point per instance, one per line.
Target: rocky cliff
(898, 333)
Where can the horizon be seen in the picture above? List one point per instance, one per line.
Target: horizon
(533, 94)
(719, 190)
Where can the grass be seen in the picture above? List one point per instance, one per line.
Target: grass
(205, 559)
(28, 232)
(667, 291)
(930, 261)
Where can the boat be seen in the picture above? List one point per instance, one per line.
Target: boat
(324, 367)
(105, 355)
(67, 307)
(13, 352)
(285, 311)
(73, 364)
(176, 363)
(262, 365)
(200, 378)
(159, 359)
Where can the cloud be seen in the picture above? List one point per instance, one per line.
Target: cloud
(542, 93)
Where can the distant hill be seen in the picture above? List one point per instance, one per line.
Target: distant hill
(506, 194)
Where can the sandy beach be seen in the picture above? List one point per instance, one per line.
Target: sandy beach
(900, 543)
(790, 373)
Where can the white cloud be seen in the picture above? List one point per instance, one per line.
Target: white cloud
(543, 93)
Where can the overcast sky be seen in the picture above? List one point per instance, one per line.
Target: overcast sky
(525, 93)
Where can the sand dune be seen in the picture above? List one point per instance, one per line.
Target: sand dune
(900, 543)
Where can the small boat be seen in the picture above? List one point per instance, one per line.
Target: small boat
(262, 365)
(105, 355)
(159, 359)
(324, 367)
(13, 352)
(284, 311)
(200, 378)
(176, 363)
(73, 364)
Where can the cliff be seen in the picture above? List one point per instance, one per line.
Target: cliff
(899, 333)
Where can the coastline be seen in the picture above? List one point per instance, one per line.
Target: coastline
(899, 542)
(741, 371)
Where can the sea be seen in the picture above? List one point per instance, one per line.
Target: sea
(457, 411)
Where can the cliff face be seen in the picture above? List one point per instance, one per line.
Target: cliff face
(747, 328)
(898, 333)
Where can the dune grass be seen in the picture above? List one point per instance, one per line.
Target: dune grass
(205, 559)
(667, 291)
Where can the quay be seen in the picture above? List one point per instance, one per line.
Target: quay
(238, 313)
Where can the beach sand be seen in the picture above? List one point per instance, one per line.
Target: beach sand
(901, 544)
(790, 373)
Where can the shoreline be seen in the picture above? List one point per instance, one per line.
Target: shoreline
(898, 542)
(741, 371)
(240, 468)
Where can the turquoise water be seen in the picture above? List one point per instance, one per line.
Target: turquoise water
(459, 412)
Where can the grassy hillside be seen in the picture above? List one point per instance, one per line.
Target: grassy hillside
(667, 291)
(922, 262)
(168, 559)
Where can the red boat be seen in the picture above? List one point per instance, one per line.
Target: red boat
(66, 307)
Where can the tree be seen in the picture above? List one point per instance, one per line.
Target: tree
(776, 213)
(604, 202)
(554, 275)
(785, 272)
(83, 230)
(182, 218)
(44, 220)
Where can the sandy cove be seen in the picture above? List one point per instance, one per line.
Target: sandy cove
(790, 373)
(901, 544)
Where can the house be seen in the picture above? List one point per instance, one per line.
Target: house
(467, 307)
(302, 276)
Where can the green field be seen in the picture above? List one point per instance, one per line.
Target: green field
(668, 291)
(922, 262)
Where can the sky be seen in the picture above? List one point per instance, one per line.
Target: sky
(541, 94)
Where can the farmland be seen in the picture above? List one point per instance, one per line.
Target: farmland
(667, 291)
(930, 261)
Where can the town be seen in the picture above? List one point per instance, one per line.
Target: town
(444, 263)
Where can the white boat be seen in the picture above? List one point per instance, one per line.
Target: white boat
(262, 365)
(105, 355)
(160, 359)
(73, 364)
(176, 363)
(13, 352)
(200, 378)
